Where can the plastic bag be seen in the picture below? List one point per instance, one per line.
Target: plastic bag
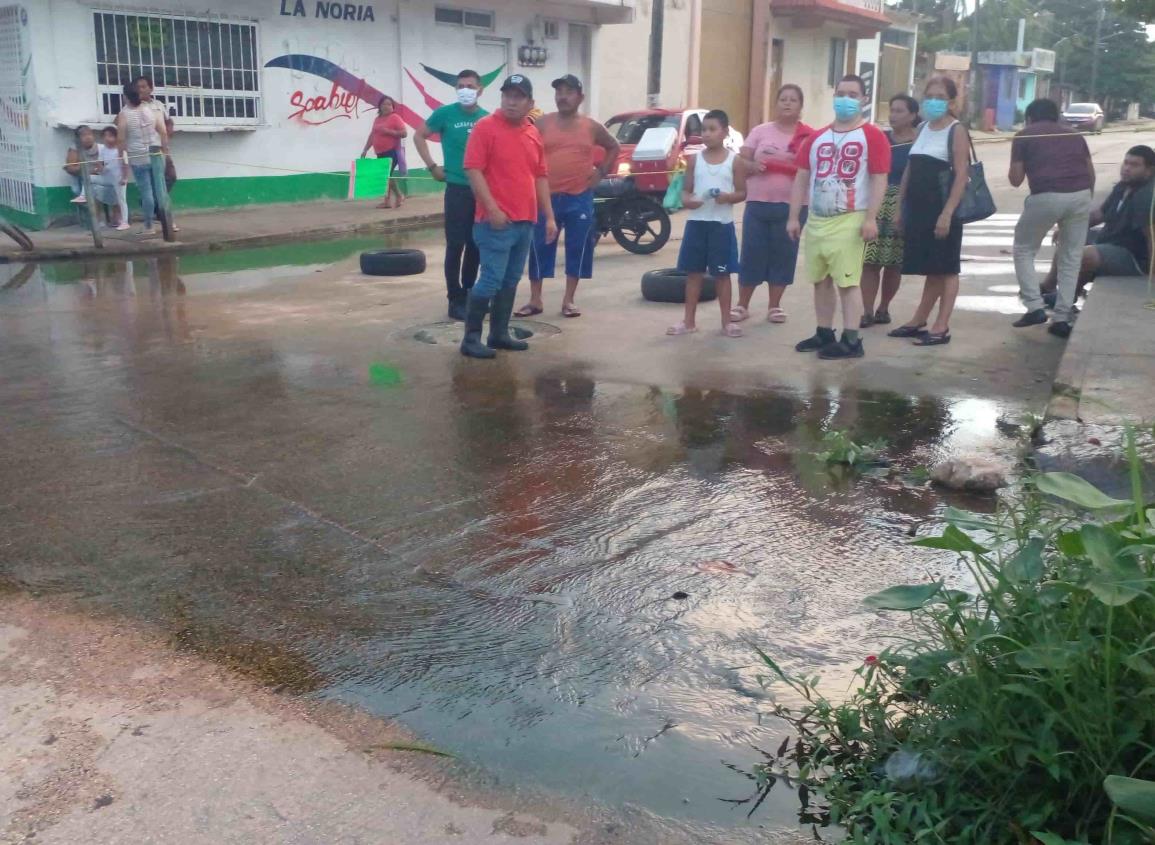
(673, 199)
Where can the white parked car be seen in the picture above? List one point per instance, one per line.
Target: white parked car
(1087, 117)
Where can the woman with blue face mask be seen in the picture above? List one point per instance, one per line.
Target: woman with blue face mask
(933, 237)
(882, 264)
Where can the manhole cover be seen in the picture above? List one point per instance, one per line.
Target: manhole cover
(450, 333)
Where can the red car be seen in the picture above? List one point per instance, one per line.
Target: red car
(654, 176)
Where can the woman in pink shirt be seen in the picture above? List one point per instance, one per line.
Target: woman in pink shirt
(385, 139)
(768, 253)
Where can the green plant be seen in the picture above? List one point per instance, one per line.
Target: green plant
(839, 448)
(1024, 712)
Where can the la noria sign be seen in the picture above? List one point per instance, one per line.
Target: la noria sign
(329, 11)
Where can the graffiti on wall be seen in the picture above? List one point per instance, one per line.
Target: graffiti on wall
(321, 109)
(349, 91)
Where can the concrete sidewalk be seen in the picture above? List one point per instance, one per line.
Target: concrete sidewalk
(1107, 369)
(258, 225)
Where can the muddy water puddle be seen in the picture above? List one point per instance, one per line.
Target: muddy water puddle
(555, 578)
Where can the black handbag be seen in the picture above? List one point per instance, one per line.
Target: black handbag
(976, 203)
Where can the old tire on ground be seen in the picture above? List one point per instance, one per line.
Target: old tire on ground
(393, 262)
(670, 286)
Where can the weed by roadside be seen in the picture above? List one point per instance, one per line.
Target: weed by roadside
(1022, 712)
(838, 447)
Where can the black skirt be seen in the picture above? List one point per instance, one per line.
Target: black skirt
(924, 254)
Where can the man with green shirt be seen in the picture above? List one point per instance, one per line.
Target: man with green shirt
(453, 123)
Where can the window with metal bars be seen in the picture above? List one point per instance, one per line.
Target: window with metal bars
(205, 70)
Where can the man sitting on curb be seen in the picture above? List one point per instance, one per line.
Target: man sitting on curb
(1123, 246)
(505, 163)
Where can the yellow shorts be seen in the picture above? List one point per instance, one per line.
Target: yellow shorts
(834, 248)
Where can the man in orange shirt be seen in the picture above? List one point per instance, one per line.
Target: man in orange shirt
(572, 143)
(505, 163)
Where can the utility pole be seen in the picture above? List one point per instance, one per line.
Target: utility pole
(1095, 56)
(657, 26)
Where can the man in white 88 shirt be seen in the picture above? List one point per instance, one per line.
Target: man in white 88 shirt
(842, 174)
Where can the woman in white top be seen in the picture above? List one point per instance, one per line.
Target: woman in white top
(933, 237)
(141, 136)
(715, 182)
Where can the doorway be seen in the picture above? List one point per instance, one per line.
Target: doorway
(491, 53)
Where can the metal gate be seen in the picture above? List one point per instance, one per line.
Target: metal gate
(17, 173)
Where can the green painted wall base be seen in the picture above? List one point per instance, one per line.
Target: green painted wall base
(54, 205)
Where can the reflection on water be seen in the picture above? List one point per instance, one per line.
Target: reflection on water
(487, 554)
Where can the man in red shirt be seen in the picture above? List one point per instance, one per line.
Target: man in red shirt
(505, 163)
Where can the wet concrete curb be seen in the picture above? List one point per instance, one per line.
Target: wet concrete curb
(1108, 366)
(159, 247)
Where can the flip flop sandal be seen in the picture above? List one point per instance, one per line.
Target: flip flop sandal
(932, 339)
(527, 311)
(680, 328)
(776, 315)
(908, 331)
(738, 313)
(732, 330)
(881, 318)
(867, 321)
(571, 311)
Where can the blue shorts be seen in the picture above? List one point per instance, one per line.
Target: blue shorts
(768, 253)
(708, 247)
(574, 214)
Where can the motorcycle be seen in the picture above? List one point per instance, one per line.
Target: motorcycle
(636, 220)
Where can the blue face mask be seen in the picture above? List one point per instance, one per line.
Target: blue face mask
(934, 108)
(847, 108)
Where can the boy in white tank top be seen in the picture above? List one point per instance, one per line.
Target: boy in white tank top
(714, 184)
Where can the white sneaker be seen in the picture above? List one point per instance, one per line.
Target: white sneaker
(123, 227)
(80, 200)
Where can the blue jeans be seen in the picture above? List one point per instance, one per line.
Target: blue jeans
(142, 173)
(503, 255)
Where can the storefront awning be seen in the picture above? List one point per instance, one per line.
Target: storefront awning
(866, 17)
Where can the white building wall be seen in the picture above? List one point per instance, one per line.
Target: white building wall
(805, 61)
(806, 58)
(621, 63)
(287, 141)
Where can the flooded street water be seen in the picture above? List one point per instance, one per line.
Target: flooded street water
(488, 554)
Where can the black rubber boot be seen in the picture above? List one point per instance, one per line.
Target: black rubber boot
(457, 308)
(471, 345)
(499, 337)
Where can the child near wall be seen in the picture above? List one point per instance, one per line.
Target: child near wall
(115, 175)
